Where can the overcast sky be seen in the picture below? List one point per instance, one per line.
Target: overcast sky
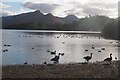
(61, 8)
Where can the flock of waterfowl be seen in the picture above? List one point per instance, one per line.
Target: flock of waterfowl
(7, 46)
(56, 57)
(60, 35)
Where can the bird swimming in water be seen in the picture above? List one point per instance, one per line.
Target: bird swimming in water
(48, 51)
(56, 58)
(93, 47)
(45, 63)
(86, 50)
(102, 48)
(4, 51)
(62, 54)
(99, 51)
(109, 59)
(8, 45)
(63, 42)
(25, 63)
(111, 42)
(5, 45)
(87, 58)
(115, 58)
(53, 53)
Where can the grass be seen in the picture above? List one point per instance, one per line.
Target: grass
(71, 70)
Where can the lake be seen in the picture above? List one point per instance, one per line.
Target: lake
(32, 46)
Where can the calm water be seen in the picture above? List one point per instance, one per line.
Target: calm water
(73, 45)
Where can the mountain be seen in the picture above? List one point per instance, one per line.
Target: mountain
(34, 17)
(70, 19)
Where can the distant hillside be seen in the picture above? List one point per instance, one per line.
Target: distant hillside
(92, 23)
(38, 21)
(111, 30)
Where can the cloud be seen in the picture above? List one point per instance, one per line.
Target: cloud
(45, 8)
(10, 13)
(119, 9)
(6, 13)
(3, 6)
(74, 7)
(3, 11)
(95, 7)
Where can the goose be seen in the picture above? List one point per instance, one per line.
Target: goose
(87, 58)
(56, 58)
(109, 59)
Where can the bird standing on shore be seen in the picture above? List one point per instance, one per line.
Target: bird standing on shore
(56, 58)
(109, 59)
(87, 58)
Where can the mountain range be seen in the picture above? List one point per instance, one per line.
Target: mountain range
(38, 21)
(37, 17)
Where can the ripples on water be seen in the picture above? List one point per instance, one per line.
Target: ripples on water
(32, 47)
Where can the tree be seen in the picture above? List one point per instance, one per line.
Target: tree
(111, 30)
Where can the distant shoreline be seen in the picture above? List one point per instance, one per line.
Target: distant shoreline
(96, 32)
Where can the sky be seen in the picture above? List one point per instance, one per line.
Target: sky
(61, 8)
